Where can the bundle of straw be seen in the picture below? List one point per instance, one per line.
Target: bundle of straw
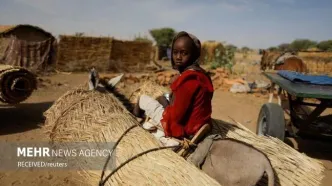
(148, 88)
(89, 116)
(292, 167)
(209, 50)
(16, 84)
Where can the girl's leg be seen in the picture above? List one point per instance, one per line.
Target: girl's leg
(152, 108)
(155, 110)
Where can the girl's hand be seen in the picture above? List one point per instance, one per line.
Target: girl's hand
(163, 101)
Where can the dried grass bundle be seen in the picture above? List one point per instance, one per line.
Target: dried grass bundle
(317, 62)
(292, 168)
(89, 116)
(148, 88)
(209, 49)
(16, 84)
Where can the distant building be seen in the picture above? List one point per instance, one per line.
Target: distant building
(27, 46)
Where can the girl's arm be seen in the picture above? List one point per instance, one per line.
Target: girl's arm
(183, 98)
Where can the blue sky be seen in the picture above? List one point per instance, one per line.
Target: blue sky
(253, 23)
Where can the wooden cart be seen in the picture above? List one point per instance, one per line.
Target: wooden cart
(271, 120)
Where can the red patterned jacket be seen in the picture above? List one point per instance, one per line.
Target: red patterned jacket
(191, 104)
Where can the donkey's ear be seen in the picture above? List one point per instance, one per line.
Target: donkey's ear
(112, 82)
(93, 79)
(263, 51)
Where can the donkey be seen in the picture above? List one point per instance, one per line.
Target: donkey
(231, 162)
(274, 60)
(282, 61)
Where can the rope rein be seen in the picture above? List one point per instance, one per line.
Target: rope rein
(113, 148)
(186, 144)
(102, 182)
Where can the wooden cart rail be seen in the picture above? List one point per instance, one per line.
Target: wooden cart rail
(298, 89)
(271, 118)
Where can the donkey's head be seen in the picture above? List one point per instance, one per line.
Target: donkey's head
(95, 83)
(268, 58)
(108, 86)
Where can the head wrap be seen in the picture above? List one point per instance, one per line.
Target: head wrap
(196, 52)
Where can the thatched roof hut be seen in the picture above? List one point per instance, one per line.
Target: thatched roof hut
(25, 32)
(27, 46)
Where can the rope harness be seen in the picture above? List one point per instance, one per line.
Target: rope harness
(185, 144)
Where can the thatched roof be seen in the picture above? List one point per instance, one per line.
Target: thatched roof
(4, 29)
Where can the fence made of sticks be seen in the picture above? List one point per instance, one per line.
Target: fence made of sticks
(79, 53)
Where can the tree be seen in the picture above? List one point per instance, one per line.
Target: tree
(272, 49)
(284, 47)
(79, 34)
(245, 49)
(163, 36)
(302, 44)
(231, 47)
(142, 38)
(325, 45)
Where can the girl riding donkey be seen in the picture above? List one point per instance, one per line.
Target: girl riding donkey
(190, 106)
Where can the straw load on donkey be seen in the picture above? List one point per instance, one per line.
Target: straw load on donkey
(84, 115)
(99, 116)
(290, 166)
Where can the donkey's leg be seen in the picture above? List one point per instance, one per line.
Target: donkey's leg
(279, 94)
(271, 92)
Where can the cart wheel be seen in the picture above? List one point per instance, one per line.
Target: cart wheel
(271, 121)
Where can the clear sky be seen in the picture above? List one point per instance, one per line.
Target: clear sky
(253, 23)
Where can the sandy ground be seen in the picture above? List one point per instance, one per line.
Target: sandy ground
(21, 123)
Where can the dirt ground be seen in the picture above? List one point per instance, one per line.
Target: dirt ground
(21, 123)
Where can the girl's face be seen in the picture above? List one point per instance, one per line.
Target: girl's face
(182, 52)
